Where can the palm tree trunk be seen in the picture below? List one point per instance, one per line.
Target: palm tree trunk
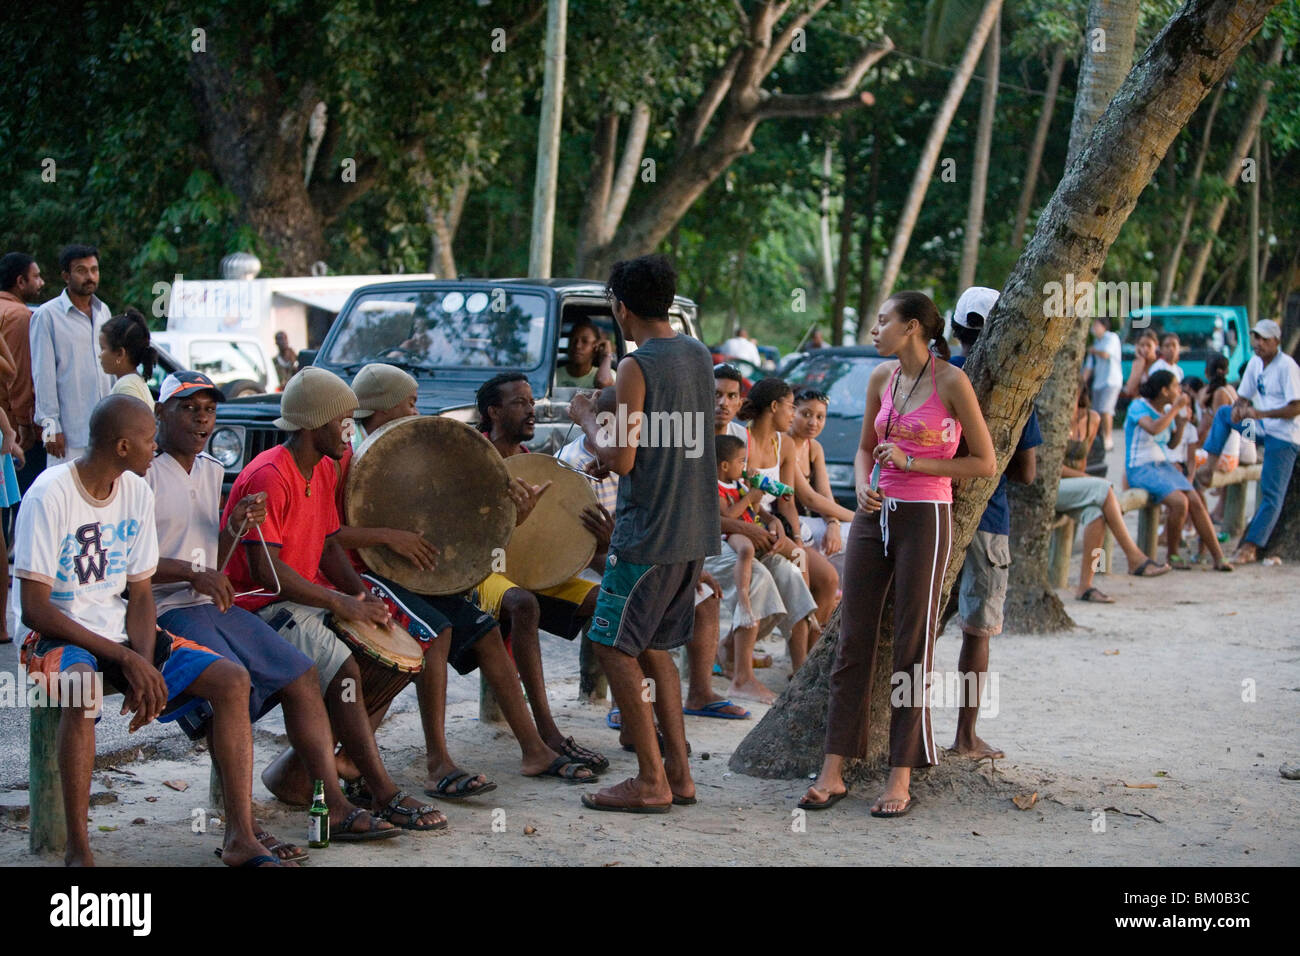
(1192, 287)
(1032, 604)
(980, 169)
(1170, 274)
(1036, 148)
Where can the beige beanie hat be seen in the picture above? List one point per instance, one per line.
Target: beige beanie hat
(379, 387)
(312, 398)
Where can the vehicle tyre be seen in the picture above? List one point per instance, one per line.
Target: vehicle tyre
(241, 387)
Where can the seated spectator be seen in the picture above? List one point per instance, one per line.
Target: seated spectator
(1091, 502)
(1269, 405)
(769, 408)
(1170, 349)
(1145, 352)
(1148, 433)
(591, 360)
(819, 513)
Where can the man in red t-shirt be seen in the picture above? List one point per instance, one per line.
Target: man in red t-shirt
(309, 576)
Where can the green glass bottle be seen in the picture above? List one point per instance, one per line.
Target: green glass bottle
(318, 819)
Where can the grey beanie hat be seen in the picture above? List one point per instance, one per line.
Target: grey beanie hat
(312, 398)
(379, 387)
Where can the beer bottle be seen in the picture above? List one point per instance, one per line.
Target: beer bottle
(318, 819)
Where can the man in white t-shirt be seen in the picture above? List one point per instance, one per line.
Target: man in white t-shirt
(85, 535)
(1268, 404)
(742, 347)
(1107, 376)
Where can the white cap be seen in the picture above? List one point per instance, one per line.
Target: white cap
(1267, 329)
(977, 300)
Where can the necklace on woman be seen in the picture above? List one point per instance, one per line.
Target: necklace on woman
(889, 422)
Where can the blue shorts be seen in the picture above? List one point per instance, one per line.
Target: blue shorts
(243, 637)
(46, 658)
(1158, 480)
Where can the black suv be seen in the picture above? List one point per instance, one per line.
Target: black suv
(452, 335)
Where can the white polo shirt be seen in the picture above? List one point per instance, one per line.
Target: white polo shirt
(187, 511)
(1271, 387)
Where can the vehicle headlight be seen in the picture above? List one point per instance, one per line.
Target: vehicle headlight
(226, 445)
(840, 474)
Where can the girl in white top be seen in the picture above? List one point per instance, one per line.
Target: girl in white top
(123, 348)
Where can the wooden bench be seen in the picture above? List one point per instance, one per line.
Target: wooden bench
(47, 823)
(1235, 484)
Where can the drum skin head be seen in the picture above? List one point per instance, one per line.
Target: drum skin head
(393, 646)
(442, 478)
(552, 545)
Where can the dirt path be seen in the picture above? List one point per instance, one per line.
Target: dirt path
(1077, 719)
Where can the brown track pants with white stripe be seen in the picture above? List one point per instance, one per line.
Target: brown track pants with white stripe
(905, 546)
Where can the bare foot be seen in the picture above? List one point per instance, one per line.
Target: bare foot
(78, 858)
(239, 850)
(633, 792)
(1246, 554)
(753, 689)
(897, 793)
(823, 788)
(977, 750)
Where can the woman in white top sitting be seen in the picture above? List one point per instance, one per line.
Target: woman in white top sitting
(123, 348)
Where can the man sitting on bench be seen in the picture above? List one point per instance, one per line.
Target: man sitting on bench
(1270, 401)
(85, 535)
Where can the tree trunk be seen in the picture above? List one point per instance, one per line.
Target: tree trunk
(930, 154)
(721, 126)
(1107, 56)
(1232, 175)
(842, 267)
(865, 287)
(979, 180)
(1032, 604)
(600, 179)
(1008, 365)
(256, 145)
(1285, 540)
(1036, 148)
(828, 257)
(1170, 274)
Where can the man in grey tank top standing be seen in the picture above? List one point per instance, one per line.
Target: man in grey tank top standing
(660, 441)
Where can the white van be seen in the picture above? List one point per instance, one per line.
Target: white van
(237, 364)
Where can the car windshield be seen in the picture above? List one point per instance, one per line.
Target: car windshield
(1195, 332)
(842, 377)
(224, 361)
(435, 328)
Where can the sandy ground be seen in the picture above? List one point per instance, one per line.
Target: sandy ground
(1148, 691)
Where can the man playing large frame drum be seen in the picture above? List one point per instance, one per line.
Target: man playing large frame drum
(314, 578)
(452, 629)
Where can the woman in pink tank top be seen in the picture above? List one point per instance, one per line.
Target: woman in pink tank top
(918, 409)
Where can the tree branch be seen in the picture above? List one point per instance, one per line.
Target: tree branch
(710, 100)
(833, 99)
(633, 149)
(787, 35)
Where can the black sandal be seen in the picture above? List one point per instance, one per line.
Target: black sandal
(345, 834)
(566, 769)
(446, 789)
(412, 814)
(578, 754)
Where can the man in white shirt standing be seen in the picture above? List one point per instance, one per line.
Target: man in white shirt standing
(1269, 403)
(66, 374)
(1107, 376)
